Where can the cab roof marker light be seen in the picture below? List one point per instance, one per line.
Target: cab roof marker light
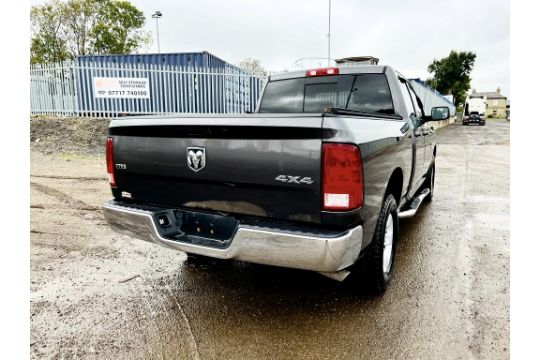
(322, 72)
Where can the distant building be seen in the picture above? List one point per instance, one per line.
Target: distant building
(495, 102)
(357, 60)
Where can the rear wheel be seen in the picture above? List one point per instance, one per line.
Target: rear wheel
(377, 265)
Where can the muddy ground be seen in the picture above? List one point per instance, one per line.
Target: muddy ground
(56, 135)
(99, 295)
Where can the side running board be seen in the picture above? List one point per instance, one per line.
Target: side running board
(415, 205)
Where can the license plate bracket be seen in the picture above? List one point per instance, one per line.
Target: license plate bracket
(210, 226)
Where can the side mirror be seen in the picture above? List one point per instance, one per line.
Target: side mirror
(439, 113)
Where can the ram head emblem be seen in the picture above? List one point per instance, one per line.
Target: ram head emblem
(196, 158)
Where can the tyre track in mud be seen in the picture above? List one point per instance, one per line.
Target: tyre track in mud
(63, 198)
(62, 177)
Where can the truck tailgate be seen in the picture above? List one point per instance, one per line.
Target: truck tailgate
(257, 165)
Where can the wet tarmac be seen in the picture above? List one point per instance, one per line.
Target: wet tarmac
(99, 295)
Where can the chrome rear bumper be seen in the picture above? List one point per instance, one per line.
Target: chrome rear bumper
(257, 245)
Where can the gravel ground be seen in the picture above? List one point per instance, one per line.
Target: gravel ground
(99, 295)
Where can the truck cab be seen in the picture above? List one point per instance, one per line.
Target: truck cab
(475, 110)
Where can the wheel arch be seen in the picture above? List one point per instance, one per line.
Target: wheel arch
(395, 185)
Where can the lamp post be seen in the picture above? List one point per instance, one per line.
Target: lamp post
(329, 17)
(156, 16)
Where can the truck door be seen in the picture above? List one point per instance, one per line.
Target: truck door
(418, 141)
(427, 132)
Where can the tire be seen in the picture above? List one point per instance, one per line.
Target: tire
(376, 267)
(430, 183)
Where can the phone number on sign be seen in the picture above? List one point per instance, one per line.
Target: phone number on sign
(127, 92)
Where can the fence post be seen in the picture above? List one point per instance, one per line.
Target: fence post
(166, 89)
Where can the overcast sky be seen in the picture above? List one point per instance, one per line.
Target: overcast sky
(406, 34)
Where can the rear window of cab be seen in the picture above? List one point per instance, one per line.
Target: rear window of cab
(368, 93)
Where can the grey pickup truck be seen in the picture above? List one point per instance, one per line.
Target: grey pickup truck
(317, 178)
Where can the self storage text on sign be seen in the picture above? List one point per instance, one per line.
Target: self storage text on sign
(121, 88)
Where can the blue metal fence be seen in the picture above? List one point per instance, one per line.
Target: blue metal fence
(200, 83)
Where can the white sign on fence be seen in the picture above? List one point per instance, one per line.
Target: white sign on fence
(121, 88)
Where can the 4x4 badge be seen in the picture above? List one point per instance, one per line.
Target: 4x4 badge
(294, 179)
(196, 158)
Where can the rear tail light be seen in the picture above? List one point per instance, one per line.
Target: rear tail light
(322, 72)
(110, 163)
(343, 182)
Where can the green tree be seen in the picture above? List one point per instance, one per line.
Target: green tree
(452, 74)
(62, 30)
(48, 43)
(80, 16)
(117, 29)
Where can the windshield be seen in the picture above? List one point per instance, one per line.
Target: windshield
(364, 92)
